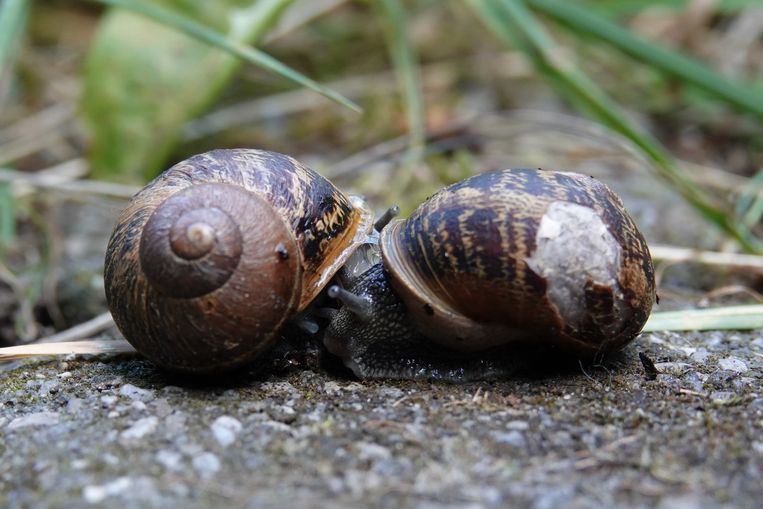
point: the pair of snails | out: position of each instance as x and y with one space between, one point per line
217 256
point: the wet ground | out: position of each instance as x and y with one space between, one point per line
114 431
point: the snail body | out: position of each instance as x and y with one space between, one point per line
497 263
212 258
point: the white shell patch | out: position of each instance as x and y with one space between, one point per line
573 246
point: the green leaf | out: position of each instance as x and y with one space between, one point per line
140 90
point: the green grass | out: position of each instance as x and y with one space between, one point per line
514 24
13 14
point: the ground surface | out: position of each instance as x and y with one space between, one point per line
117 432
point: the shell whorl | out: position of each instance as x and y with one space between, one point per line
190 246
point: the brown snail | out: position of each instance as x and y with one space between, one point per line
497 263
211 259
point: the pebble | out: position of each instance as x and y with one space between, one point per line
108 400
140 428
35 419
391 393
171 460
700 356
722 396
282 413
162 407
225 428
332 388
673 368
513 438
758 342
517 425
175 422
368 451
48 387
136 393
74 405
98 493
206 464
733 364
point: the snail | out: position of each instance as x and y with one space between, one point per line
493 266
211 260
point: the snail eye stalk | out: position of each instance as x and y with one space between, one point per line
358 305
385 218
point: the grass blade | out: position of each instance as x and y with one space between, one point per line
12 19
724 318
405 60
512 20
585 22
242 51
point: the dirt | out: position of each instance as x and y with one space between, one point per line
115 430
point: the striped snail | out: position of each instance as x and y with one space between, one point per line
212 258
498 263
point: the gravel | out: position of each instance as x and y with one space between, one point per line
116 431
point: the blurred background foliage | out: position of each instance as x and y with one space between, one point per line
97 97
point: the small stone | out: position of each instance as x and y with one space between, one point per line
757 342
98 493
758 447
332 388
48 387
140 428
175 422
108 400
700 356
722 396
206 464
517 425
34 420
162 407
390 393
136 393
513 438
79 464
171 460
74 405
368 451
733 364
65 375
282 413
673 368
225 428
138 405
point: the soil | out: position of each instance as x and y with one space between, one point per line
116 431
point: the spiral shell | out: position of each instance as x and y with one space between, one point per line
212 257
522 256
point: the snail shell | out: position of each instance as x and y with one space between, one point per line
522 255
210 259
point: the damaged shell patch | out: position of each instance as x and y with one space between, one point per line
574 248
